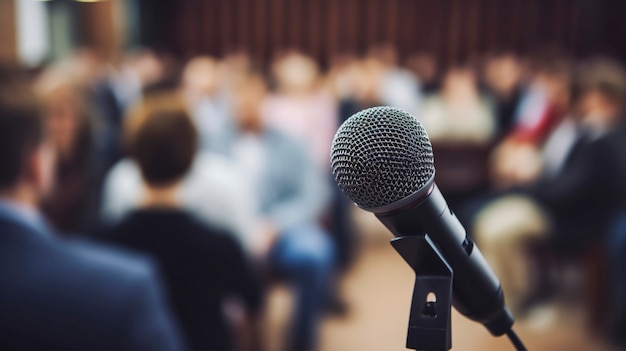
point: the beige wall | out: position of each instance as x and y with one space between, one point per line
8 31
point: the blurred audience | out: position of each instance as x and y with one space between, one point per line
459 114
426 68
395 85
544 102
528 149
202 267
58 295
304 110
202 90
504 77
290 196
300 108
72 206
573 190
213 191
543 120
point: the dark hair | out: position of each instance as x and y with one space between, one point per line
162 139
21 125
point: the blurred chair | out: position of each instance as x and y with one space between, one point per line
461 168
462 175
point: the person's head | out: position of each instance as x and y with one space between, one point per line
162 139
602 92
26 160
248 99
553 76
67 116
385 53
459 84
201 76
503 73
295 73
424 65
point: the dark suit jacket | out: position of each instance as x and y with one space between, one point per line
587 191
60 296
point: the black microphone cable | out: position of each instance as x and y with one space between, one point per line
515 340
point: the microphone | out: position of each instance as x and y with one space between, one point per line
383 161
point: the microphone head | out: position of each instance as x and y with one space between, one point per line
380 156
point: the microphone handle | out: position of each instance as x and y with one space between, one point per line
477 293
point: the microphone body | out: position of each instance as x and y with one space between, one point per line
382 160
476 290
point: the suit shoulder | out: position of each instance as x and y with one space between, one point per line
104 266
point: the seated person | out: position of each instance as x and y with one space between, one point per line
213 191
459 113
290 196
55 295
568 199
202 267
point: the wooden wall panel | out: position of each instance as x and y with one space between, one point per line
8 31
452 29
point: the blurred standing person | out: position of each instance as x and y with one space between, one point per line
202 267
72 205
291 193
56 295
459 113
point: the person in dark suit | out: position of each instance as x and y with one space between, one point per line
568 208
55 295
203 267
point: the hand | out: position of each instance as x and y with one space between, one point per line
515 163
265 236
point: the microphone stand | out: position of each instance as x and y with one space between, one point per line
431 306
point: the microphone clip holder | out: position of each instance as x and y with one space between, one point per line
431 307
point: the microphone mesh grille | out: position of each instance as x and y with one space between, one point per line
381 155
